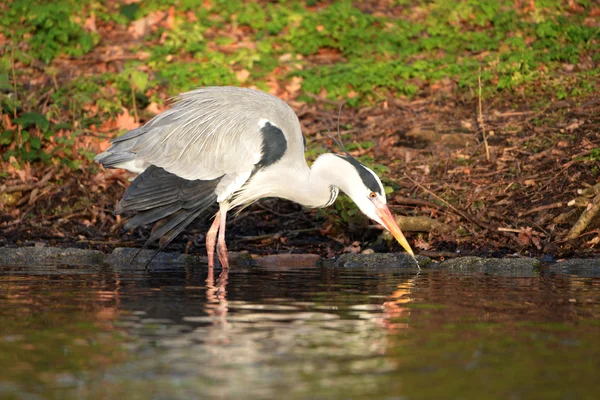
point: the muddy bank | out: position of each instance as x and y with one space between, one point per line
128 258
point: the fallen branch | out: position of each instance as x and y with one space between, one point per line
585 219
421 224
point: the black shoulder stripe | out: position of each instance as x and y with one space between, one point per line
274 145
366 176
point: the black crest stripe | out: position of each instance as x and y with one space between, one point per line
366 176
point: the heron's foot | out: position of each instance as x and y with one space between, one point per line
223 256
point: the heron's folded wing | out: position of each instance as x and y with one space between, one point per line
208 133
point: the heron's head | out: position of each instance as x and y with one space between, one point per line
364 187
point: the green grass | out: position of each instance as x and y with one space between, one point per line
371 56
47 29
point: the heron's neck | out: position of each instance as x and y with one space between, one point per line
318 186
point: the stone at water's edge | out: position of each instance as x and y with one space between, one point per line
580 267
381 260
282 261
124 256
493 266
121 258
49 256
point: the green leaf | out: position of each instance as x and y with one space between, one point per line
36 143
32 118
5 82
139 79
129 11
6 137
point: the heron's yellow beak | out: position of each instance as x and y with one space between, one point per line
389 222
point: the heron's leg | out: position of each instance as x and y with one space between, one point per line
211 239
221 246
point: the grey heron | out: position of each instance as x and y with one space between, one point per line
231 146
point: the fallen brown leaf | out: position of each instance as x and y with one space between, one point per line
90 23
294 86
593 242
155 108
527 236
242 75
170 20
420 243
126 121
354 248
143 26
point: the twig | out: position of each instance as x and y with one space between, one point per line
135 113
542 208
296 215
515 113
276 236
14 75
28 186
457 211
513 230
438 254
480 119
321 99
588 233
413 202
19 188
60 219
325 114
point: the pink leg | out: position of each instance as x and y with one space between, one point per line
221 246
211 239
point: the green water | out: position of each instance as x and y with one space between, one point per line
292 333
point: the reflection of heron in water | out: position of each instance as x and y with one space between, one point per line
216 296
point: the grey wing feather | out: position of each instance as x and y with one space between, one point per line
158 195
208 133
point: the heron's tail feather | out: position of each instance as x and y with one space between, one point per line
108 159
171 202
121 153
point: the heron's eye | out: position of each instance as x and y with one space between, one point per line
373 195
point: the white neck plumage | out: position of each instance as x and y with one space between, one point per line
312 187
319 185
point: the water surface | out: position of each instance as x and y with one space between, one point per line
306 333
